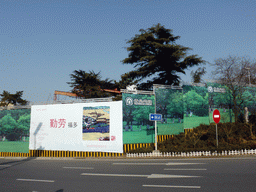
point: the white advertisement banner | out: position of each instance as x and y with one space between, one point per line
77 127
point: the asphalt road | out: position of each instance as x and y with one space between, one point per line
71 175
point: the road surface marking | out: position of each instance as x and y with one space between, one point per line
173 186
186 169
157 163
113 175
139 163
36 180
152 176
5 165
185 163
78 167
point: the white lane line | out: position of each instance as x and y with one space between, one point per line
157 163
152 176
173 186
5 165
186 169
78 167
36 180
139 163
185 163
113 175
155 176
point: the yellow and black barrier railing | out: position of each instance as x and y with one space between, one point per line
83 154
186 131
13 154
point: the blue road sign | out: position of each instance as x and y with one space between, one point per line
155 117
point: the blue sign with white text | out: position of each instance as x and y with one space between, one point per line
155 117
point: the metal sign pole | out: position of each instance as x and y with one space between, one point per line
156 135
216 119
217 135
155 117
155 121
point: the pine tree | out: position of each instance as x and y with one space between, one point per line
156 56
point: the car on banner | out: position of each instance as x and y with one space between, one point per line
88 120
104 139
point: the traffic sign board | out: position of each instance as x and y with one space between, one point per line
155 117
216 116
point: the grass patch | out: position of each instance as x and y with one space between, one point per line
169 128
139 137
195 121
140 134
14 146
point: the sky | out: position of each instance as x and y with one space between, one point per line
43 41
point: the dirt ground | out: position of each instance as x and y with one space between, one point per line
94 136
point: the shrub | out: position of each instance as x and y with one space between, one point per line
142 150
231 136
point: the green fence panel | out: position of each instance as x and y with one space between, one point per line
196 106
136 125
169 103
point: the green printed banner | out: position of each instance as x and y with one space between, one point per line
14 130
249 95
169 103
196 106
136 125
220 98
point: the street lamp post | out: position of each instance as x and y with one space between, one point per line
247 68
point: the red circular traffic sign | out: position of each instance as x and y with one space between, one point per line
216 116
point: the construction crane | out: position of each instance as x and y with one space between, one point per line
75 95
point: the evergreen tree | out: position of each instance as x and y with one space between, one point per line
89 85
154 53
197 75
14 99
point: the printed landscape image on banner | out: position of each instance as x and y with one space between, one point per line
196 106
220 98
169 103
14 130
77 127
136 125
249 96
96 123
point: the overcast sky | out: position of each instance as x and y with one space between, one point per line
43 42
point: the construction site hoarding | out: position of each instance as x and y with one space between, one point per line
77 127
